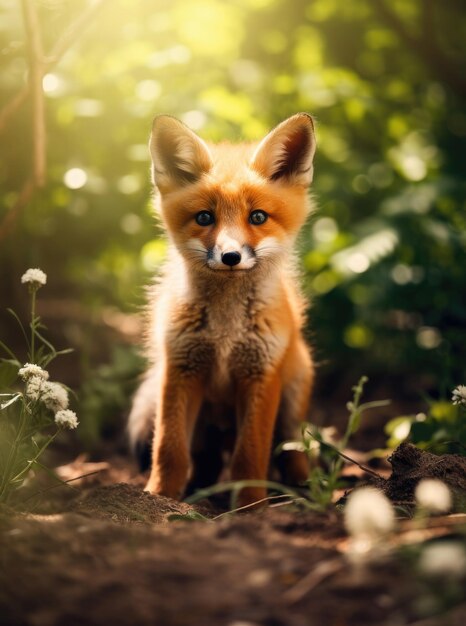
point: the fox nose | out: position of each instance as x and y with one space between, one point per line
231 258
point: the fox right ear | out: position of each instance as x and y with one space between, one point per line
179 156
287 152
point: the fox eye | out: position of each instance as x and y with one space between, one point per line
258 217
204 218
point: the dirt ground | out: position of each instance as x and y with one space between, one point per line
106 553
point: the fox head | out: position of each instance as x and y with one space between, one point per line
228 208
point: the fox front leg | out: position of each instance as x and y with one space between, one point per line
179 404
257 412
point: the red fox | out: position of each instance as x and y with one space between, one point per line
224 341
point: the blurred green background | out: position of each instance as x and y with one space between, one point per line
383 256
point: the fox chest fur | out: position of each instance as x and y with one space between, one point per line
230 337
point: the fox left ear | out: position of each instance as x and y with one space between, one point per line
179 156
287 151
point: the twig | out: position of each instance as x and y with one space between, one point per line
59 49
364 468
73 32
252 504
40 64
36 72
311 580
60 484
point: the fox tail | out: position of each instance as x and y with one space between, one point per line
141 419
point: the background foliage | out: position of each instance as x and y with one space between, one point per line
383 256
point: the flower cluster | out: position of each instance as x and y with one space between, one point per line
66 419
42 402
34 277
30 370
459 395
34 387
53 395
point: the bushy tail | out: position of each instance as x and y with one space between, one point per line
141 419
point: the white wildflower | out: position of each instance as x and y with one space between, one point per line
30 369
369 514
459 395
443 559
66 418
54 396
34 387
433 495
34 277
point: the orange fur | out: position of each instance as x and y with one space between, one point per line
225 332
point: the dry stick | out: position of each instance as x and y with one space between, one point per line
364 468
310 581
36 57
59 49
61 483
73 32
248 506
36 72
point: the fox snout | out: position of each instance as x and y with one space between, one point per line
231 258
238 258
230 253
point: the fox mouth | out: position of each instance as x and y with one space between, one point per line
230 270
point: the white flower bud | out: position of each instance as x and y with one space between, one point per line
34 277
433 495
54 396
369 514
30 369
443 559
459 395
66 419
34 387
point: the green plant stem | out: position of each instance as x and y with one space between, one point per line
32 461
33 324
6 480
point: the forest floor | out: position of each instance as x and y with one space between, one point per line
106 553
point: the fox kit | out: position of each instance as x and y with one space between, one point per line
224 342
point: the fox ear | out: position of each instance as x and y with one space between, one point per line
287 151
179 156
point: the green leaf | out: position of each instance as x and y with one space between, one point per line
355 422
8 372
46 342
373 405
423 431
12 400
391 426
8 351
20 324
